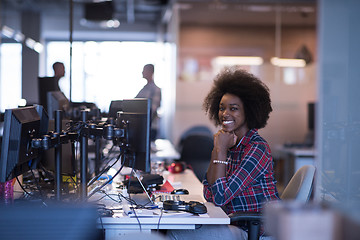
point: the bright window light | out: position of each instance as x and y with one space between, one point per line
106 71
10 77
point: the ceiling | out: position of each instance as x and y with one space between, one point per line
208 12
253 13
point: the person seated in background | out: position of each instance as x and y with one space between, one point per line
240 176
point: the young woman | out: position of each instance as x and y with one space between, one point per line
240 176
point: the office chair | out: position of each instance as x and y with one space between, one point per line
298 189
194 130
196 153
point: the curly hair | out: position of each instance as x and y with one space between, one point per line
253 93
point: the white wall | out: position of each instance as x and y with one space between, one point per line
198 45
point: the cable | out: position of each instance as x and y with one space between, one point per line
161 213
107 182
104 170
22 187
26 192
137 218
37 184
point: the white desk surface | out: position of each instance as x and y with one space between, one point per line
296 151
115 226
163 149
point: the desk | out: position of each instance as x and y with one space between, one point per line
116 227
163 150
294 158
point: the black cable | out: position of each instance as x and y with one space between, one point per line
104 170
137 218
109 196
22 187
161 213
26 192
107 182
37 184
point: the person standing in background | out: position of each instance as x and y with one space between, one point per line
50 84
59 72
153 92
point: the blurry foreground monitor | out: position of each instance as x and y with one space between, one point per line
54 222
21 125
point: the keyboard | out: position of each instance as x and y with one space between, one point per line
167 197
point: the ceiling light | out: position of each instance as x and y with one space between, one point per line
287 62
7 31
238 60
19 37
32 44
113 23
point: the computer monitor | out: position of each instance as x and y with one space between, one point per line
136 114
56 100
128 105
115 106
311 116
21 125
45 85
310 135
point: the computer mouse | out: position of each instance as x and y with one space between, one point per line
180 191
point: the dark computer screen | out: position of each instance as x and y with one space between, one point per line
45 85
311 116
135 114
21 125
115 106
56 100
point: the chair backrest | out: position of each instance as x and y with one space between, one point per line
195 130
196 152
300 186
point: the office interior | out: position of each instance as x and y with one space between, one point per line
194 34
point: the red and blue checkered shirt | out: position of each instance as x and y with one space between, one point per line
249 180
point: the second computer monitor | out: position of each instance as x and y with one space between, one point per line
135 114
56 100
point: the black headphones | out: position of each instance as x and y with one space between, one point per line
191 207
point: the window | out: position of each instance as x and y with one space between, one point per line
10 75
106 71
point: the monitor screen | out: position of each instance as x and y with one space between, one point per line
115 106
45 85
311 116
21 125
136 114
56 100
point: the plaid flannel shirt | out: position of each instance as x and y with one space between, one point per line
249 180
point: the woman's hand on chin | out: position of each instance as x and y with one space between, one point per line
224 140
